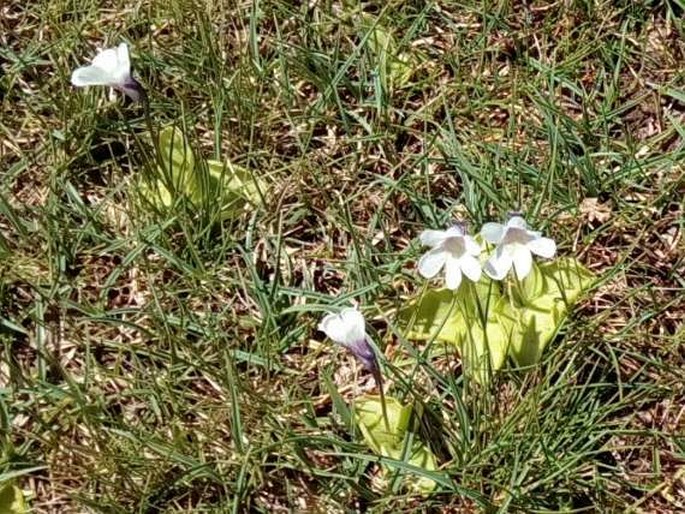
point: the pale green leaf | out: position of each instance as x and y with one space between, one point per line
532 286
395 68
155 193
535 328
397 443
181 176
567 278
12 499
471 319
434 315
369 418
541 308
234 185
177 174
178 160
485 350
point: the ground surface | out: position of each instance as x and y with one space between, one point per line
158 362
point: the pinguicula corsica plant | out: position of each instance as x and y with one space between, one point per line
493 303
513 309
387 426
177 175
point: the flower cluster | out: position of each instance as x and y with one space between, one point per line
459 253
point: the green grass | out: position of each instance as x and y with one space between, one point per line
167 363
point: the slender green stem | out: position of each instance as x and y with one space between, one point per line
379 382
153 133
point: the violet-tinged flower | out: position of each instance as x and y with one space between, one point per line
454 250
515 246
348 329
111 68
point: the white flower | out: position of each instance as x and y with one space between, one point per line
515 244
348 329
112 68
453 249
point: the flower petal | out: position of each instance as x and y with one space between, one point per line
498 265
110 67
431 263
543 246
123 60
492 232
517 222
90 76
122 74
472 248
470 266
523 261
344 328
108 60
333 327
452 273
354 320
432 237
455 231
